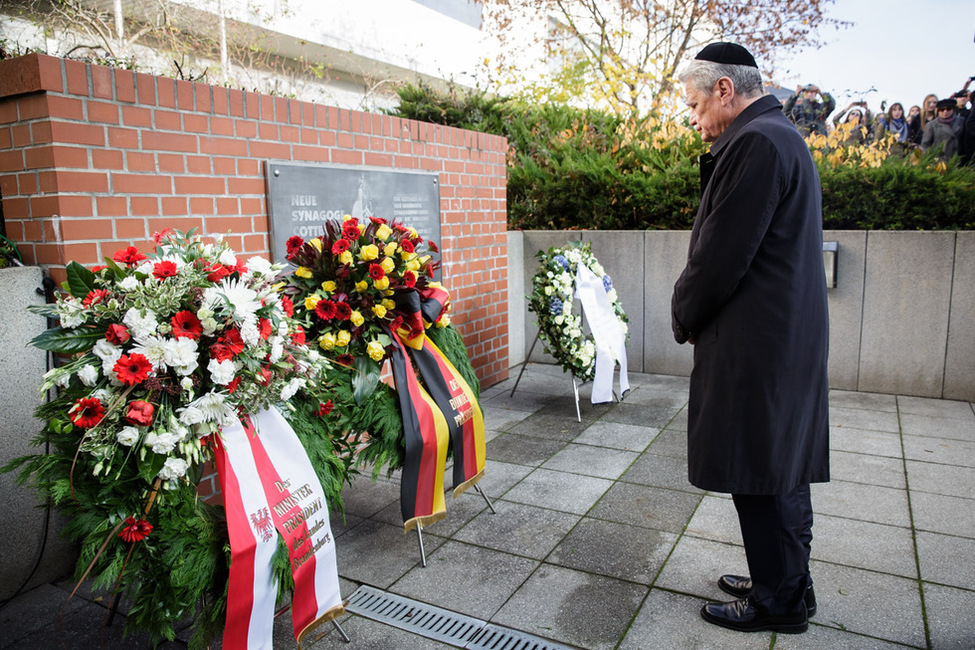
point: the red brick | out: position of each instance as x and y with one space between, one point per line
29 183
245 129
360 142
107 159
236 102
131 229
112 206
146 86
75 206
221 100
184 94
166 92
102 112
136 116
260 149
251 205
6 138
313 154
184 224
198 164
289 134
267 131
141 184
168 120
49 73
224 166
227 205
196 123
144 206
223 146
236 224
208 185
377 160
83 229
238 186
169 142
31 107
221 126
294 111
170 163
12 161
174 205
259 107
101 82
203 101
37 157
280 110
249 167
201 206
76 73
125 85
15 207
309 136
72 133
139 161
123 138
86 253
20 135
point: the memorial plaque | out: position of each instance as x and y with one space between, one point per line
302 197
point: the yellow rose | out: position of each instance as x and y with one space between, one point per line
388 264
389 292
390 248
369 252
362 286
381 283
444 321
328 286
389 304
345 258
379 311
383 232
326 341
342 338
413 264
356 318
346 217
317 243
303 272
375 350
311 301
406 255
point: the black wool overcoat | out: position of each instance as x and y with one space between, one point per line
752 299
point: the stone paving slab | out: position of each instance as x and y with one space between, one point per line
866 468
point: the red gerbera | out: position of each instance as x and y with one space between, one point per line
287 306
343 311
264 327
86 412
117 334
340 246
96 269
325 309
128 256
376 272
409 278
217 272
407 246
164 269
231 338
162 234
232 386
298 336
95 296
326 408
186 325
350 231
294 244
135 530
140 413
345 360
432 246
377 220
264 376
132 369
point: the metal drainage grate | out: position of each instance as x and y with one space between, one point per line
441 624
412 616
502 638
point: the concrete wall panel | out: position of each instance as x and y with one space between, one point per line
846 308
960 358
666 256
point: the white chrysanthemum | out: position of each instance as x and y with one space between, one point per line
146 267
165 443
213 406
153 348
129 283
291 388
141 326
88 374
127 436
190 415
242 300
277 349
259 266
222 372
173 468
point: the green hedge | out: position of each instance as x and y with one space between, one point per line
582 169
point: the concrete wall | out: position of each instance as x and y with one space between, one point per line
22 519
902 314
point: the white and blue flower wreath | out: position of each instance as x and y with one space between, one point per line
559 327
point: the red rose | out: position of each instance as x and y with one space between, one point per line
164 269
117 334
140 413
128 256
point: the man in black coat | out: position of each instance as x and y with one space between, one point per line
752 301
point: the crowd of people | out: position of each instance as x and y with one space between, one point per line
945 125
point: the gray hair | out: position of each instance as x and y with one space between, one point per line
703 75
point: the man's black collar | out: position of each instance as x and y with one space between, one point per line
753 110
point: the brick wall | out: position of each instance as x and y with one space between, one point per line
93 158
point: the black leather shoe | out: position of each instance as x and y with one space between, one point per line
741 586
742 616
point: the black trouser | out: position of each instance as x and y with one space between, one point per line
777 532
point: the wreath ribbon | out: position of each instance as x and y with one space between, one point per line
442 411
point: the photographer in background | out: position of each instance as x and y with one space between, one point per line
806 112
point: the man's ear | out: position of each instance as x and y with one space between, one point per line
725 89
